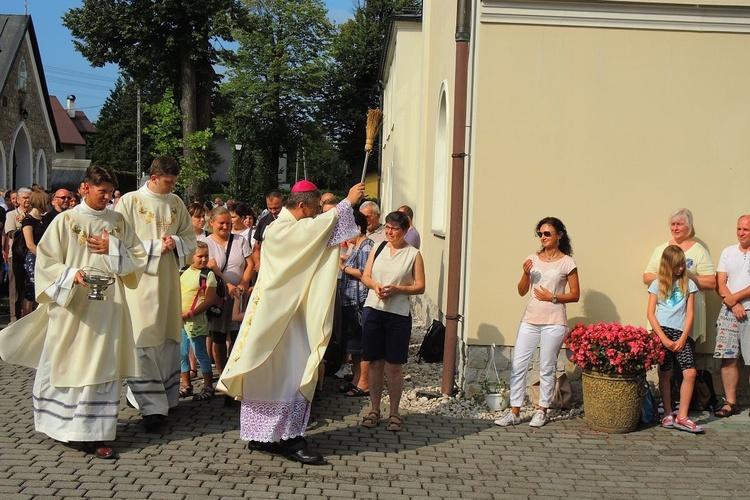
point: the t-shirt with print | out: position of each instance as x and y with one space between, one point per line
697 261
190 284
554 277
672 312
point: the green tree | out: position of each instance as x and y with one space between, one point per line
353 85
165 121
115 143
274 85
169 42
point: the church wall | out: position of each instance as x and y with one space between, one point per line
34 103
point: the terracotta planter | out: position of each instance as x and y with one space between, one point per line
612 403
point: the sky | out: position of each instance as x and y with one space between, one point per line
65 69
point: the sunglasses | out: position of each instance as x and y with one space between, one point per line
63 197
546 234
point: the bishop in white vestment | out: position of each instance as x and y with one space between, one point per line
287 325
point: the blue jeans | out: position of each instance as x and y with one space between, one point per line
199 348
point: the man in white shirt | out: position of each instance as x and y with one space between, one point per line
733 330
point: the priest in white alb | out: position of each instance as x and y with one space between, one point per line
163 224
81 348
273 367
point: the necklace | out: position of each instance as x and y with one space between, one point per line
549 259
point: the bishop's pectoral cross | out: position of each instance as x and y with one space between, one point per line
163 225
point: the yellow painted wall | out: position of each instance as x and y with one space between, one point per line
609 130
437 68
401 135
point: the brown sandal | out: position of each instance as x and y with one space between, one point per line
395 423
722 413
371 419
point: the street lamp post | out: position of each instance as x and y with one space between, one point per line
238 148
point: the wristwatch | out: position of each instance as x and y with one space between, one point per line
554 299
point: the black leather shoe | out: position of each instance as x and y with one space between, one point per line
306 456
272 448
153 422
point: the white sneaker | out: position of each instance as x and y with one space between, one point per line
509 418
346 369
539 419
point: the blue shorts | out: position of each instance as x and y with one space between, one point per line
385 336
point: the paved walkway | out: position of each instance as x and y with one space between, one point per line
199 455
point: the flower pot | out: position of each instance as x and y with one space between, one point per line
497 401
612 403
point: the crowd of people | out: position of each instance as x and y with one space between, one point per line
184 289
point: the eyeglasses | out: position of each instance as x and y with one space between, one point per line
391 228
63 197
546 234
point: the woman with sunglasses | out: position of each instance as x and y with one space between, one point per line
545 323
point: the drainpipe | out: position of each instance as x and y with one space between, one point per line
452 317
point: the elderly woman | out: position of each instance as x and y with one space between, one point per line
700 268
394 270
546 272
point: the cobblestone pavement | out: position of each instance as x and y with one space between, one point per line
199 455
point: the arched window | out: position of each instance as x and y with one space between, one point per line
22 75
440 172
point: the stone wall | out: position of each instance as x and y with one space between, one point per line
36 123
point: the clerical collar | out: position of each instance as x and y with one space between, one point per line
87 210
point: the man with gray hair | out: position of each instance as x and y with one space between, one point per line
13 220
375 230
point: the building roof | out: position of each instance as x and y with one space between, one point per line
71 130
69 133
82 123
13 29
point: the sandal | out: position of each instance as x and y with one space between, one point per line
193 374
722 412
371 419
186 391
347 387
395 423
357 393
206 394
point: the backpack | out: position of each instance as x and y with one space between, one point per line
649 408
704 396
221 291
431 350
19 248
221 294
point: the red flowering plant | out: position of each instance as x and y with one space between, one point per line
613 348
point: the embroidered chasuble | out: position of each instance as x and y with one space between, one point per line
283 337
87 342
156 304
